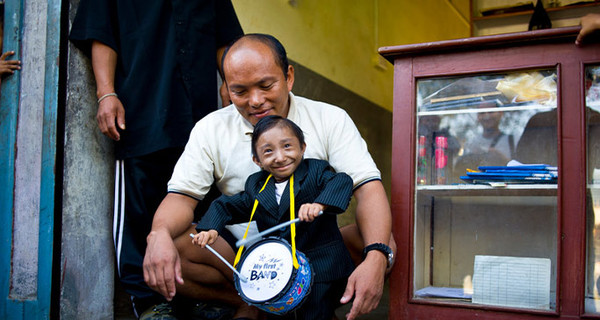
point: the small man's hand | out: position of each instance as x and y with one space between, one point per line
309 211
205 237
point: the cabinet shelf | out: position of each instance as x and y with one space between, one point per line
485 190
483 110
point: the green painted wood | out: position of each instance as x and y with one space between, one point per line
9 100
38 308
48 174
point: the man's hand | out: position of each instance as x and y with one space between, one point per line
162 266
374 220
366 285
110 114
110 110
589 24
8 67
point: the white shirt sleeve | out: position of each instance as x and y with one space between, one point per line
348 151
331 135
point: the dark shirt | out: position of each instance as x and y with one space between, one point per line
166 68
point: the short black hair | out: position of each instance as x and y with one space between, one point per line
276 47
270 122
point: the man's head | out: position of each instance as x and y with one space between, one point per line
278 146
258 76
490 121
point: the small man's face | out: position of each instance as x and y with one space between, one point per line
279 152
257 85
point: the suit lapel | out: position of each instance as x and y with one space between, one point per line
267 200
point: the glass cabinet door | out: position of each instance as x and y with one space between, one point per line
592 296
485 224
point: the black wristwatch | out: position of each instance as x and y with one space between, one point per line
387 251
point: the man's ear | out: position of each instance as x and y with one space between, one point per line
256 161
290 78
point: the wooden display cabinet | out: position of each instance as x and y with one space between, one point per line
474 243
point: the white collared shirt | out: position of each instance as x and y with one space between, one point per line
279 189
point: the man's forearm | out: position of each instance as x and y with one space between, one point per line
373 217
373 214
104 63
174 215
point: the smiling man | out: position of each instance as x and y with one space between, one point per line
260 80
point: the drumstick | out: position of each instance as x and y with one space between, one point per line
244 279
243 242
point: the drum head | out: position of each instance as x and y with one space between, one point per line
268 267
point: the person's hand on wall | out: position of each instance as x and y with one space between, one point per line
8 67
589 24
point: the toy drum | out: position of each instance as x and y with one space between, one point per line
273 284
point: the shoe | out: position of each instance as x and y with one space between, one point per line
208 311
162 311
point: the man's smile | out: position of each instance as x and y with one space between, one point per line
261 114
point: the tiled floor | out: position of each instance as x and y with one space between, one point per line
123 308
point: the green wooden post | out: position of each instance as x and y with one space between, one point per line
37 307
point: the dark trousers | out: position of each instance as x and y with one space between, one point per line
140 186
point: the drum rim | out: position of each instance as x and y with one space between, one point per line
304 297
286 288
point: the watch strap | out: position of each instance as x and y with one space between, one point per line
383 248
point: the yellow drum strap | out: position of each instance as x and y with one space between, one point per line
293 226
239 253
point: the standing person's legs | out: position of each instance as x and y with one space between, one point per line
141 184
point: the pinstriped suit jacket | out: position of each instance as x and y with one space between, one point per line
320 240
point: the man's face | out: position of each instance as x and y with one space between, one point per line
257 86
279 152
490 120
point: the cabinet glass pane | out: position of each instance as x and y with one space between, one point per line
485 228
592 81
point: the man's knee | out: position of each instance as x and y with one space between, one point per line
184 245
